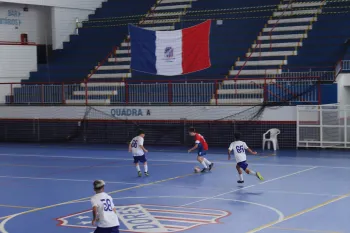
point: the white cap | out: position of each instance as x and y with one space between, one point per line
98 184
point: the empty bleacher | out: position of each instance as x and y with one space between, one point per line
248 40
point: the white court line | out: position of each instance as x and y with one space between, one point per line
300 193
301 213
165 185
278 178
57 179
278 212
168 160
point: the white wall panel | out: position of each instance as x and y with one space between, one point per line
36 23
77 4
16 61
64 23
286 113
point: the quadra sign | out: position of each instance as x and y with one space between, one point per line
130 112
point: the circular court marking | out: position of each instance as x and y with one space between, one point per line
278 212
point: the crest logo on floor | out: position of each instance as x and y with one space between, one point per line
151 218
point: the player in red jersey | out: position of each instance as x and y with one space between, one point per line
202 146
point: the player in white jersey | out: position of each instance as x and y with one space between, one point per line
138 150
103 210
239 147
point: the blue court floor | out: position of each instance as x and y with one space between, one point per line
47 189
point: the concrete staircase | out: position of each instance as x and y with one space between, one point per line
161 17
281 38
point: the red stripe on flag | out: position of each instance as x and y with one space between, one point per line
195 48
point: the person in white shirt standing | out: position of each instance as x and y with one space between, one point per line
103 210
138 150
239 147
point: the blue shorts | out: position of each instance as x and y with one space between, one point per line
201 151
107 230
243 165
141 159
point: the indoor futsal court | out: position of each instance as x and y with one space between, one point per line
49 187
91 90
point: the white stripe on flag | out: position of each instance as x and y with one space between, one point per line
169 52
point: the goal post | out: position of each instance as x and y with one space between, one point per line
323 126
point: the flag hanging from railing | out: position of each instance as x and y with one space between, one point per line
170 53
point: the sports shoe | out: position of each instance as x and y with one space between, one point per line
204 170
146 174
139 174
240 181
259 176
211 166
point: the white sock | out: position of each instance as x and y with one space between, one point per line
253 173
207 161
146 167
241 177
138 168
204 164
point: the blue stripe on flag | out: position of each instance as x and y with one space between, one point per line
143 50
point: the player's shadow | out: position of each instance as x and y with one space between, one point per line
244 193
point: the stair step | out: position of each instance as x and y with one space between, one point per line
283 37
125 44
179 13
162 21
160 28
240 91
247 82
119 59
173 7
114 67
297 12
95 93
103 101
288 29
278 45
115 75
262 63
123 51
272 54
301 4
256 72
174 1
237 101
292 20
102 84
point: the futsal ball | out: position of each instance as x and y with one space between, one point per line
197 169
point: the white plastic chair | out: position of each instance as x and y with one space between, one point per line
272 139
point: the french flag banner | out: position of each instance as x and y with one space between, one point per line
170 53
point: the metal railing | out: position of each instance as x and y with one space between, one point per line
323 75
344 65
194 92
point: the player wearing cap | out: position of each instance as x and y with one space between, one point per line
103 210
